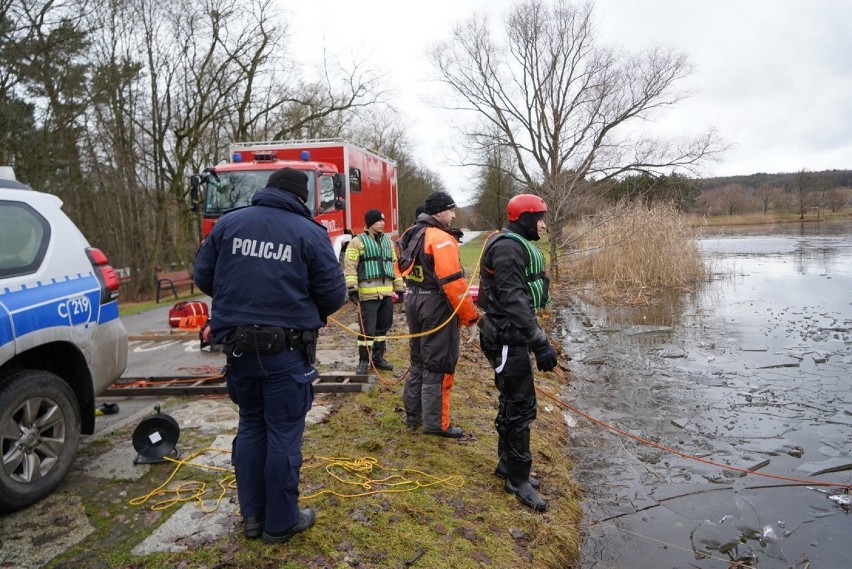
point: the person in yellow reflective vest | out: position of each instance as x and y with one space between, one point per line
371 279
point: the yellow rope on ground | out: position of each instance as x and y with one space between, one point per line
359 472
189 490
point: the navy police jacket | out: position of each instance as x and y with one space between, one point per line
269 264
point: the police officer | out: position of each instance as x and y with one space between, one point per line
371 280
274 279
436 287
513 286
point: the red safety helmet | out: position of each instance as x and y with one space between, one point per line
523 203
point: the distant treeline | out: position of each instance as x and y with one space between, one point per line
823 179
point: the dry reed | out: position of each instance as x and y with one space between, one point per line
629 251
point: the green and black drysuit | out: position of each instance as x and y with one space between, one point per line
513 286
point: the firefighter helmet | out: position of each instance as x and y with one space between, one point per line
523 203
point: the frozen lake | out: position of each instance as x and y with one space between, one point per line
752 372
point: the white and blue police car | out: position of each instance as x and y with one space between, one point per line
61 340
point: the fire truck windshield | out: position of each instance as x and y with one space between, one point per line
227 190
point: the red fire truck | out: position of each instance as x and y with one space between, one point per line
344 181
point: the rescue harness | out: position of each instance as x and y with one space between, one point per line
537 280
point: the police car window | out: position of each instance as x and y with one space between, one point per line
24 236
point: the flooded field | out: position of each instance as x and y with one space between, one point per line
751 373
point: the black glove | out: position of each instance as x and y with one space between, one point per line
400 295
353 295
545 358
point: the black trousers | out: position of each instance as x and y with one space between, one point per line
376 319
513 377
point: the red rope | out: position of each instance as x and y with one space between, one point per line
561 403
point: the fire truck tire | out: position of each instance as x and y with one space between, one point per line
39 436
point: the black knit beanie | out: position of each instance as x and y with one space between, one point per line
290 180
372 216
438 202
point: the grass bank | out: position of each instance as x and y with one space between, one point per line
389 498
457 515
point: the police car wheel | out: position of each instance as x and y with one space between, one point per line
39 435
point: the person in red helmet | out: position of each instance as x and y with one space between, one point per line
436 289
513 286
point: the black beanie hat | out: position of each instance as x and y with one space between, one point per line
372 216
438 202
290 180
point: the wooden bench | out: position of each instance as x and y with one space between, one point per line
173 281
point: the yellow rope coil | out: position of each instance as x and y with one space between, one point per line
352 471
360 472
188 490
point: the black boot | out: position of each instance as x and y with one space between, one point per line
379 357
451 432
304 521
500 472
517 482
412 420
527 496
431 395
363 361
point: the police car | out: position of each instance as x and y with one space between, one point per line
61 340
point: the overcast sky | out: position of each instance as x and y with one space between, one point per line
773 77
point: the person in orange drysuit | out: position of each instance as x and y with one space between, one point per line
436 288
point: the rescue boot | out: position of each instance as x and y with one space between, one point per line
412 421
431 396
518 483
379 357
363 361
451 432
527 495
500 472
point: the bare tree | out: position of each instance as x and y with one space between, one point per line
562 105
496 188
731 199
45 44
123 99
769 197
380 128
801 191
838 197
